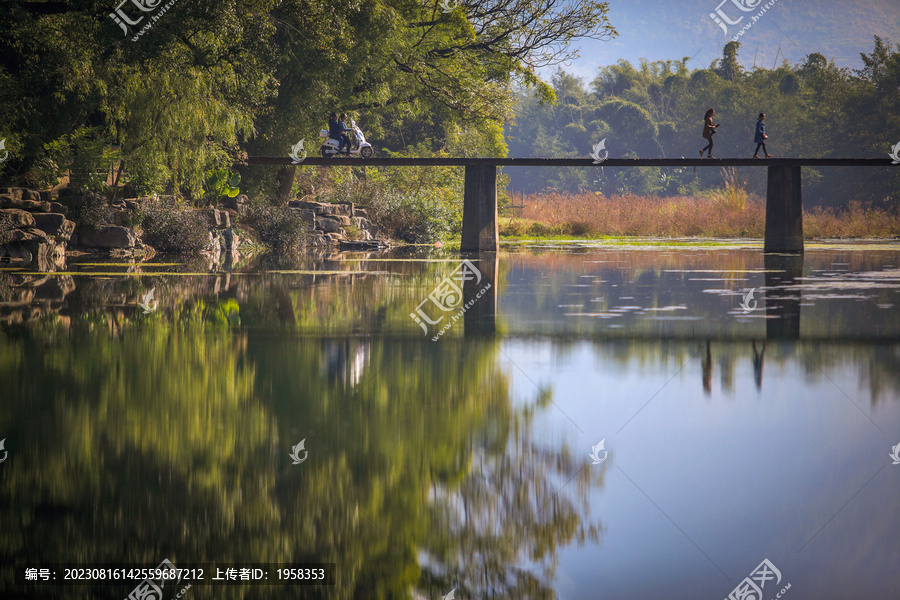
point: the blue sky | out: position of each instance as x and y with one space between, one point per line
790 29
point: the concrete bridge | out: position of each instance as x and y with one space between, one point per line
784 208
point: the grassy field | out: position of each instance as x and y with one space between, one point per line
724 214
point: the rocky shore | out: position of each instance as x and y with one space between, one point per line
39 228
333 224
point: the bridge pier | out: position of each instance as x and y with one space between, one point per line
479 228
784 210
481 318
782 301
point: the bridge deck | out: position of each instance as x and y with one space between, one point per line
784 207
577 162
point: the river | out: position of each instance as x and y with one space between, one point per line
582 420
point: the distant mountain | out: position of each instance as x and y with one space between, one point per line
790 29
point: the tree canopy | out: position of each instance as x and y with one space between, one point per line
191 88
656 110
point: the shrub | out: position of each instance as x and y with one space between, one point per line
172 229
91 209
353 232
6 229
279 228
406 210
413 217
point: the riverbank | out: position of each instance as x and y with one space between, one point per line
44 228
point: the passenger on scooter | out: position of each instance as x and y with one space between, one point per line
336 131
344 130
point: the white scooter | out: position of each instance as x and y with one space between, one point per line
358 144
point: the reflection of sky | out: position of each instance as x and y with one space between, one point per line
746 474
644 291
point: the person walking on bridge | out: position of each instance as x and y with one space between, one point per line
761 136
709 130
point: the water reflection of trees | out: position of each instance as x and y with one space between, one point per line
167 436
877 365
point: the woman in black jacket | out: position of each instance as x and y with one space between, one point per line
709 130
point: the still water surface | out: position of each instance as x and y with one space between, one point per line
730 435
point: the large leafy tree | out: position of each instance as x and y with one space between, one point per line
210 78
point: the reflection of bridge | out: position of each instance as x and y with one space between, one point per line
784 209
782 298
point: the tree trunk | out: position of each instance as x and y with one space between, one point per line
285 183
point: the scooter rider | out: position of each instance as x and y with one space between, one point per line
336 130
344 135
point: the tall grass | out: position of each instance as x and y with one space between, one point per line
593 215
734 194
728 213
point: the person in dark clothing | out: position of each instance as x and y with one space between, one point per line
334 128
761 136
344 129
709 130
337 130
758 364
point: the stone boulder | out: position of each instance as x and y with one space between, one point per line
27 234
7 201
238 204
328 225
305 214
343 208
17 217
54 224
21 194
218 219
107 236
32 245
319 208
